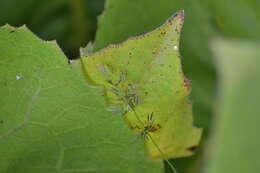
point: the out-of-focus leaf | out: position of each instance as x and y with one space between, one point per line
235 146
51 121
144 76
240 18
71 22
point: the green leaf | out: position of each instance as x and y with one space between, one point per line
235 147
143 75
52 121
236 21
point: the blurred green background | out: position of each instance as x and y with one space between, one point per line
73 23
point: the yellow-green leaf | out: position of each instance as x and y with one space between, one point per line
144 77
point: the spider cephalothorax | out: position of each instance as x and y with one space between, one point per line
149 126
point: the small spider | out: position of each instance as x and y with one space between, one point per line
129 97
149 127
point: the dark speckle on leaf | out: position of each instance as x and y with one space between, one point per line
176 29
192 148
109 81
187 83
163 32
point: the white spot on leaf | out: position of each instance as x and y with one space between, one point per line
17 77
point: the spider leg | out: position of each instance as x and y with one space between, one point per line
122 77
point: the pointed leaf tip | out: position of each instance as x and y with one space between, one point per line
179 15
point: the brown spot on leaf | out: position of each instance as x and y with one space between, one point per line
153 128
109 81
136 127
115 46
192 148
187 82
176 29
163 32
171 19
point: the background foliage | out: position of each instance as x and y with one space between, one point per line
73 23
